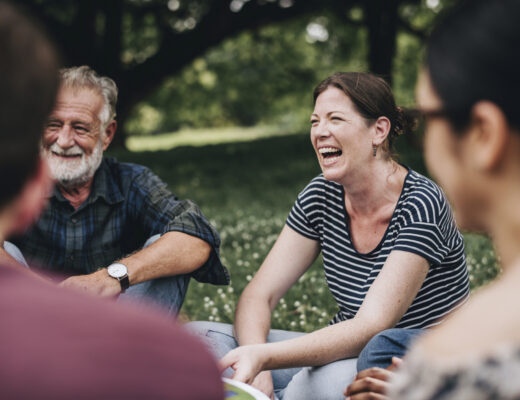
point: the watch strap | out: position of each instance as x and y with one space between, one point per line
124 282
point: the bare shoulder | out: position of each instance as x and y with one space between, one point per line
478 328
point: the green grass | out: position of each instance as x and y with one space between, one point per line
204 137
247 189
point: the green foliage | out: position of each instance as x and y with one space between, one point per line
246 190
140 38
267 75
481 259
262 76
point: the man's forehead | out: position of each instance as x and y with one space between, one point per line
80 91
80 100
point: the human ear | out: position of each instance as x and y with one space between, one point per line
381 129
489 135
110 130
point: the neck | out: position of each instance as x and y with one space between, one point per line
374 187
501 216
505 229
78 194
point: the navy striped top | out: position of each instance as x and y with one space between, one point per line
422 223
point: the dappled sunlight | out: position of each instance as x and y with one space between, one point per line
202 137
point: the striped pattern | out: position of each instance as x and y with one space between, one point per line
422 223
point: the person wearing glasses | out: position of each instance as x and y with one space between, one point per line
392 254
468 91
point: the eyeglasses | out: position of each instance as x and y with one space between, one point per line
455 114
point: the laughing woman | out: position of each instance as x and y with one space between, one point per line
392 254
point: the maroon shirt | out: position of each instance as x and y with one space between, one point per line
57 344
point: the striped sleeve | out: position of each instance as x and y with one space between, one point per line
426 225
305 213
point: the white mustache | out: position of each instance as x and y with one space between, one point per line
72 151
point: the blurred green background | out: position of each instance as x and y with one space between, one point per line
246 189
215 97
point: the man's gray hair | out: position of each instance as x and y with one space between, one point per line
86 77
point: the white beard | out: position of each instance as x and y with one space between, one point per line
74 172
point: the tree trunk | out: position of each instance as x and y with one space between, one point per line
382 20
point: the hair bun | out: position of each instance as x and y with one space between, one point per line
405 121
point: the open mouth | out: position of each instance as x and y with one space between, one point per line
67 155
329 153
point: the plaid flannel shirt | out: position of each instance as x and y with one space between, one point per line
127 205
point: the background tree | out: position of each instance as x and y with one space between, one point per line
140 43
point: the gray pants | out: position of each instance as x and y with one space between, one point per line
312 383
168 293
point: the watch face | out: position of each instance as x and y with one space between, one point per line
117 270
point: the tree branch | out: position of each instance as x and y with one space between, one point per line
218 24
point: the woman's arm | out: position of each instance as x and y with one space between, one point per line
290 257
385 303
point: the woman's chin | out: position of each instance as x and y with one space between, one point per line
332 175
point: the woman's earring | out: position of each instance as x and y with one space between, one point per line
374 150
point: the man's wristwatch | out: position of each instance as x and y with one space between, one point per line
120 272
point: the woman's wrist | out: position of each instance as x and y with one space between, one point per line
269 355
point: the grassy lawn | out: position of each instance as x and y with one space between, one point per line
203 137
247 189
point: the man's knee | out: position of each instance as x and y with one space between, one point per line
15 252
325 382
202 328
217 336
151 239
386 344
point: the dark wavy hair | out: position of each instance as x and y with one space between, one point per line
472 55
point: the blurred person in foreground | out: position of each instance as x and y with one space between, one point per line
468 92
56 343
113 228
392 254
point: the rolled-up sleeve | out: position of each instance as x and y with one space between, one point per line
160 211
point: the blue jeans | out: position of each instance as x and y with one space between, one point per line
168 293
387 344
312 383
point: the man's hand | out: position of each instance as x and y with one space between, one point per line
98 283
371 383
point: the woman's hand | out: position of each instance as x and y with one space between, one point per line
264 383
247 361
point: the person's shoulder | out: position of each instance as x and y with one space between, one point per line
419 185
125 170
93 335
420 191
423 201
59 302
131 176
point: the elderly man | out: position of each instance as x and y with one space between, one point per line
103 212
55 343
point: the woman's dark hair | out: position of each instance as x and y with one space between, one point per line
372 98
473 55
